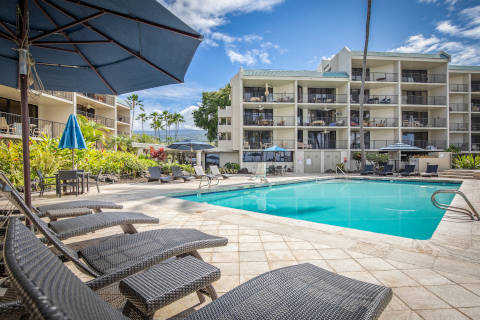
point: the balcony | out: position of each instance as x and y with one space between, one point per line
104 98
475 87
277 121
475 146
424 78
325 98
261 145
475 107
59 94
272 98
458 87
425 123
374 99
475 126
323 145
123 118
372 144
427 144
458 126
376 76
38 127
430 100
463 146
459 107
107 122
325 122
376 122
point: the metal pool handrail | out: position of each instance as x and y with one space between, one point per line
337 168
472 212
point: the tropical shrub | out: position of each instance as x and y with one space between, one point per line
379 159
466 162
232 166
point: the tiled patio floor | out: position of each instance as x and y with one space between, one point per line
422 289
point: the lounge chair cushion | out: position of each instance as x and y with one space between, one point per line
129 249
91 204
80 225
302 291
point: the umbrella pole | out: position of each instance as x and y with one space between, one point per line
23 81
73 159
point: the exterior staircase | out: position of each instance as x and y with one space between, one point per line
460 174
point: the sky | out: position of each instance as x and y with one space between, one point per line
298 34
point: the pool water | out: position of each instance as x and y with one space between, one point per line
399 208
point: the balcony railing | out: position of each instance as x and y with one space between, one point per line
123 118
272 97
279 121
60 94
475 87
261 145
376 76
107 122
463 146
458 126
475 126
325 122
376 122
325 98
475 107
458 87
425 78
105 98
427 144
458 107
373 144
374 99
38 127
322 145
430 100
424 123
475 146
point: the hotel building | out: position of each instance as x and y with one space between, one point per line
49 111
418 99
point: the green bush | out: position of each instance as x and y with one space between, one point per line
466 162
232 166
379 159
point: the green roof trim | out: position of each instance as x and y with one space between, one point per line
466 68
293 73
440 55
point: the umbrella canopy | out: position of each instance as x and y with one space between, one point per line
190 145
275 148
399 146
109 46
72 137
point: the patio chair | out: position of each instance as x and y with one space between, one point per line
367 170
45 181
209 178
301 291
67 178
177 173
216 172
408 171
120 256
387 170
432 171
156 175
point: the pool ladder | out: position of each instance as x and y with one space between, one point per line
337 168
470 212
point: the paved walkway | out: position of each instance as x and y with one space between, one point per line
433 279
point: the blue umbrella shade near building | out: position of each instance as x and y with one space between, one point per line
106 47
72 137
190 145
276 149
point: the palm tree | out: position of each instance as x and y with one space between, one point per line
142 117
154 116
177 118
164 117
133 101
362 88
170 121
92 131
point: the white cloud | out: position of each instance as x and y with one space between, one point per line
249 57
418 43
447 27
470 18
184 91
187 114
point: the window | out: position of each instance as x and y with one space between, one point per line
267 156
225 121
355 139
225 136
355 95
321 95
322 140
355 117
253 116
357 74
13 106
212 159
256 94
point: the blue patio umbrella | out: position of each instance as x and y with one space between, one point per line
72 137
190 145
275 148
106 47
399 146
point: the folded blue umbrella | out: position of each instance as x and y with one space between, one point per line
72 137
275 148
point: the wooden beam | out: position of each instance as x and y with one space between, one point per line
72 42
6 36
67 26
10 32
53 48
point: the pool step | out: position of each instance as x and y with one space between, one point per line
460 174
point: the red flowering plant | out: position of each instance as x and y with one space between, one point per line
158 154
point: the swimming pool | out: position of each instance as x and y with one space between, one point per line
400 208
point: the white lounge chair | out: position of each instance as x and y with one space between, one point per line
200 173
261 172
216 172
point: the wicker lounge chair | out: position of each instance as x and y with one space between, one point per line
119 256
367 170
51 291
408 171
178 174
432 171
156 175
216 172
387 170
